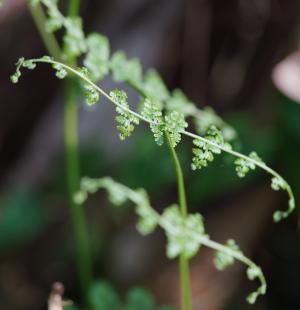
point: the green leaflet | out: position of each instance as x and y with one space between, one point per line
223 260
91 95
96 59
180 103
204 151
125 119
180 239
124 70
253 273
175 124
207 117
152 111
243 166
60 72
147 221
21 63
74 39
278 183
154 86
55 19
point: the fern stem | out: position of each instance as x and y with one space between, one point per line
73 8
183 261
82 248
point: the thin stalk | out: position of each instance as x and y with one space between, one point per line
73 8
83 253
82 248
183 261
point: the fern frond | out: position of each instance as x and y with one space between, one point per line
176 127
185 235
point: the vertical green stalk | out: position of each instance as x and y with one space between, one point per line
73 8
82 247
183 261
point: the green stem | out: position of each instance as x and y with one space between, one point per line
73 8
82 246
83 253
48 38
183 261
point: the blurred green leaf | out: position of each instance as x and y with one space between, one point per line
102 296
139 299
21 219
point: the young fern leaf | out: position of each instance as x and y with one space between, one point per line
278 183
223 260
152 112
184 235
16 76
212 142
175 124
22 63
91 94
125 120
60 72
204 152
180 241
243 166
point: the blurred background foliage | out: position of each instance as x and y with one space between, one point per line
221 53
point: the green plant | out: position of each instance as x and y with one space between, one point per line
165 112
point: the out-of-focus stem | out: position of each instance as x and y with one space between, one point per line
82 247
